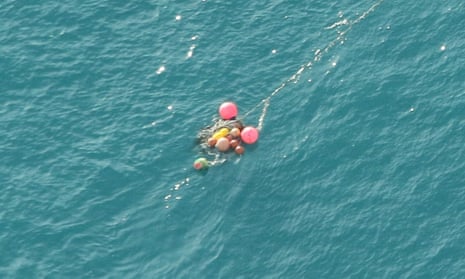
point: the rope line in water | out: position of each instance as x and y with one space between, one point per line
317 57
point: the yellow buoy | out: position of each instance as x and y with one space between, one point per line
223 132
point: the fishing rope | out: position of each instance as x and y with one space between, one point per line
317 57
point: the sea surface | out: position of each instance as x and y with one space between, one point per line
359 171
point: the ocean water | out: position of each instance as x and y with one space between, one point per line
358 172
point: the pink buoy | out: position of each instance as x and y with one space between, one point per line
228 110
249 135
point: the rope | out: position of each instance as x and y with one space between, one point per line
317 57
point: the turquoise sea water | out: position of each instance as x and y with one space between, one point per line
358 172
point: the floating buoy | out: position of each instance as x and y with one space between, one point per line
223 132
222 144
211 142
228 110
239 149
249 135
235 132
234 143
200 164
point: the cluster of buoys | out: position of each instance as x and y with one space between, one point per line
229 138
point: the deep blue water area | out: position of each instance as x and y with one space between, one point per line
358 171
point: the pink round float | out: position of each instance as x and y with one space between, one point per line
228 110
249 135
